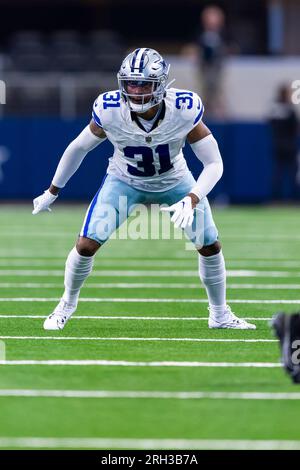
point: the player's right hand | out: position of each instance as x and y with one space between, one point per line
42 203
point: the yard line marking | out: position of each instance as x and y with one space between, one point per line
32 255
181 395
149 300
144 444
19 262
45 285
146 273
264 263
126 317
104 338
98 362
101 261
152 285
177 255
264 286
239 240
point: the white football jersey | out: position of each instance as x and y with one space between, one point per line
149 161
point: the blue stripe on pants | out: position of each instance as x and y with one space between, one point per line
94 202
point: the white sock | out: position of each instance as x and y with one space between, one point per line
213 275
76 271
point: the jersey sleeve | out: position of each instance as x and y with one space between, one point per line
194 110
199 109
96 112
190 108
106 109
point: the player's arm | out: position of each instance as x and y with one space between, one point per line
91 136
74 154
206 149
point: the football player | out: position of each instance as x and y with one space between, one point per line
148 123
287 329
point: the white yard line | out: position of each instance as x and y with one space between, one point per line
136 261
144 444
263 263
148 300
239 239
146 273
29 262
182 395
105 338
98 362
37 254
180 255
264 286
147 285
126 317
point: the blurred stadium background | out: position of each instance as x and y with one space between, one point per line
55 58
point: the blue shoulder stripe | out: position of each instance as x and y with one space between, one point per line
199 116
97 119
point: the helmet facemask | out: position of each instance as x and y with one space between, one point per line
141 95
142 79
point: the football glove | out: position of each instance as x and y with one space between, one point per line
42 203
287 330
183 212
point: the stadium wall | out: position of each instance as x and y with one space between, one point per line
30 150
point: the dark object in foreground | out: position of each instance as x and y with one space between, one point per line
287 329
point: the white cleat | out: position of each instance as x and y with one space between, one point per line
61 314
230 320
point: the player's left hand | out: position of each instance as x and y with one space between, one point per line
183 212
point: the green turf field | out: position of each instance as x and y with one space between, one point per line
137 366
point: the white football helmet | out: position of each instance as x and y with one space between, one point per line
145 70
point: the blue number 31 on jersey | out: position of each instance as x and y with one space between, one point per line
145 166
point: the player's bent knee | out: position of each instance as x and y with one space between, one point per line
210 236
86 246
210 250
